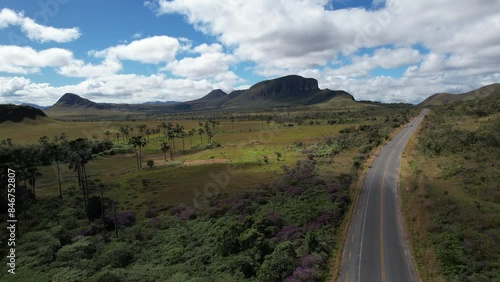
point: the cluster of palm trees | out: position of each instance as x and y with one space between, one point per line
172 132
6 142
126 131
76 154
208 128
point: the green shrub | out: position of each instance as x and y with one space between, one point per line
280 264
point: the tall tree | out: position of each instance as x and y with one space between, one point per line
78 156
232 122
125 131
171 140
32 175
55 152
165 147
190 134
142 128
107 133
201 132
138 143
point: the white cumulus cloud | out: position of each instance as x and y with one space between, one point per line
152 50
34 31
24 60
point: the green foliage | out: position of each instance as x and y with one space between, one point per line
115 255
280 264
64 274
259 236
83 248
38 248
464 141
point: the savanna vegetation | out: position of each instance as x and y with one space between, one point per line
249 197
451 195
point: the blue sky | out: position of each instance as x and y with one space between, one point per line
137 51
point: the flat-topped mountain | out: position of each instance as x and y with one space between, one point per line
15 113
291 90
283 88
446 98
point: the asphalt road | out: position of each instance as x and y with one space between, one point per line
375 248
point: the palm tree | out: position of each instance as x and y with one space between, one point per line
165 147
137 141
43 140
63 138
142 128
32 174
210 135
201 132
78 156
107 133
190 134
171 140
55 152
183 135
125 131
164 126
178 131
232 122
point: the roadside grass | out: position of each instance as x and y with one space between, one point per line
416 217
450 203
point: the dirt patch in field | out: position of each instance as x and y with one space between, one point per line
205 162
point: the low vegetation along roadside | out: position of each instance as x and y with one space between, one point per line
114 220
451 195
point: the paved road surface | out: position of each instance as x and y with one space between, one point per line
374 249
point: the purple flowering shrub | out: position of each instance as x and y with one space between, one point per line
125 218
308 269
184 212
289 232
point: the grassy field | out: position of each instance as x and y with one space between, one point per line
244 145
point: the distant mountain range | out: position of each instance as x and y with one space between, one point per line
446 98
288 91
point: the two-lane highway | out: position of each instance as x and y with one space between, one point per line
375 248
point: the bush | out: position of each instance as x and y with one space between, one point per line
83 248
115 255
280 264
265 159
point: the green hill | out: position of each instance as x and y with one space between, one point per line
446 98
